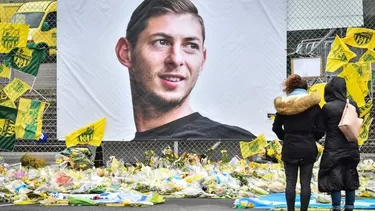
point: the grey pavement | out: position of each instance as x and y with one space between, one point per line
15 157
186 204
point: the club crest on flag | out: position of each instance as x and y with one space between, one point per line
3 96
358 68
23 56
364 110
85 137
7 127
365 129
254 147
362 38
29 120
18 87
32 117
367 57
10 37
91 134
339 54
250 148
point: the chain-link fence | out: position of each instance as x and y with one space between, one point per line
41 16
312 26
311 41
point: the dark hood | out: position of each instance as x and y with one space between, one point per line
335 90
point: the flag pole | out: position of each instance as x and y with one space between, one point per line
40 95
32 86
44 98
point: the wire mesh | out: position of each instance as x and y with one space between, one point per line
305 40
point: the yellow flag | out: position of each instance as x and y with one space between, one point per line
29 120
365 109
352 77
360 37
339 55
5 100
368 56
5 71
91 134
275 147
364 71
13 35
320 89
250 148
9 103
16 88
365 129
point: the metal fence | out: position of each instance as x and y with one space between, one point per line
317 42
303 42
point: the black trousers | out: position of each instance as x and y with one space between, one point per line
291 173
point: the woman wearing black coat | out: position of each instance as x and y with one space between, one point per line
338 166
299 124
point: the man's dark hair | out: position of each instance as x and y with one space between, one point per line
154 8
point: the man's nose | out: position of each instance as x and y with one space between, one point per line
175 57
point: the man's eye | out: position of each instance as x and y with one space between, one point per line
161 43
193 46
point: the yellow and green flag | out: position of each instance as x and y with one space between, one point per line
26 59
319 88
339 55
91 134
365 129
16 88
30 119
365 109
7 128
5 71
360 37
250 148
13 35
5 100
368 56
364 71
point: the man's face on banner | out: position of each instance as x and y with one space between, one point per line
168 57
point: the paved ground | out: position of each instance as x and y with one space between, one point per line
170 205
15 157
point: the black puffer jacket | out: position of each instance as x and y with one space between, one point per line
299 124
340 157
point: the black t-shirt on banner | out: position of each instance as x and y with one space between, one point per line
195 126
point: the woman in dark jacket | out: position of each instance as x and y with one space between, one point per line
299 124
338 166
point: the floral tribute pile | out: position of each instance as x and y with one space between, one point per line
73 179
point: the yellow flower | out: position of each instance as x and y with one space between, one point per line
278 157
277 146
320 148
253 165
261 151
270 152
